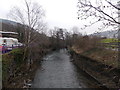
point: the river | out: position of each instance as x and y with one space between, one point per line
57 71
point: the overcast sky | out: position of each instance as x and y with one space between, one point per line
60 13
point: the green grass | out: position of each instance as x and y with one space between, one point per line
18 55
109 40
0 57
7 60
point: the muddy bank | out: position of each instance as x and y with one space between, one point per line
104 74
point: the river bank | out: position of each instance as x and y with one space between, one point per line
58 71
15 72
104 74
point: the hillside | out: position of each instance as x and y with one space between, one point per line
108 34
8 22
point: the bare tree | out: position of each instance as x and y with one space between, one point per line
31 18
104 11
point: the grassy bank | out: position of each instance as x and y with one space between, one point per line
106 56
15 71
104 74
11 64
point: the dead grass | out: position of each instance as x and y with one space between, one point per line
105 56
23 75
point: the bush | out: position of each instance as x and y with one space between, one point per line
17 55
10 62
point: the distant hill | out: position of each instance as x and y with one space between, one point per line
8 22
11 26
108 34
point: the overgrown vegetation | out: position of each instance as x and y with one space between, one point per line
99 58
11 62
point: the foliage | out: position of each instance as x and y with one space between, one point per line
18 55
11 61
109 40
6 61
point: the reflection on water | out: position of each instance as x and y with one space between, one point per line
58 72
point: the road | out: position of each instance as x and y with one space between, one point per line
57 71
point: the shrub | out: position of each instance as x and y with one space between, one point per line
17 55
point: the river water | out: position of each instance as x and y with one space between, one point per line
57 71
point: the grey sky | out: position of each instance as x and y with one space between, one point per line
60 13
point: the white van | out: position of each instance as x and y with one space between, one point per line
9 42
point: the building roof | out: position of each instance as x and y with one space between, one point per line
2 32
